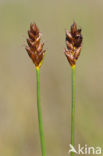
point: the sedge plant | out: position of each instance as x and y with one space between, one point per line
36 53
74 44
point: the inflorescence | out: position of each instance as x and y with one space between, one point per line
35 48
73 43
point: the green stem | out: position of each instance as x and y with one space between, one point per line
40 114
73 109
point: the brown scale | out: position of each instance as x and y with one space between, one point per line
35 48
73 43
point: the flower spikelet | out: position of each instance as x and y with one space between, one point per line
73 43
35 48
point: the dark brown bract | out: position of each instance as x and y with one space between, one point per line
73 43
35 48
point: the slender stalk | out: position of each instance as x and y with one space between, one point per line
73 109
40 113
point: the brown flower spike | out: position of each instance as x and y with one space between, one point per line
73 43
35 48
